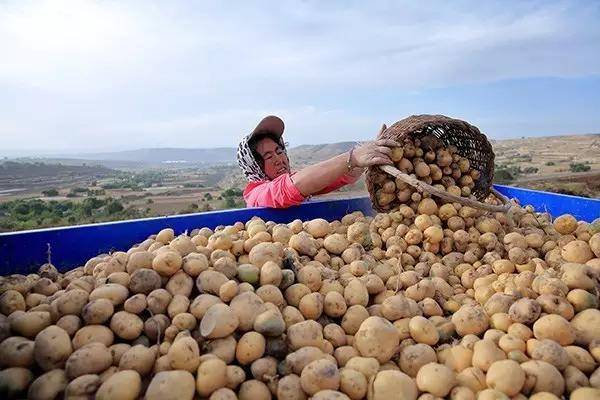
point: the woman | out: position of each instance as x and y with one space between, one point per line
263 158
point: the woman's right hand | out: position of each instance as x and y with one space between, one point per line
377 152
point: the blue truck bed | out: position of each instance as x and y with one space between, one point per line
23 252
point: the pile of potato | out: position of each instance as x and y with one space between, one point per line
429 301
430 161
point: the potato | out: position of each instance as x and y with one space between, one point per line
266 251
210 281
574 378
458 358
158 300
556 328
136 304
93 333
11 301
183 245
212 375
52 348
171 385
126 325
117 351
506 376
391 384
311 305
264 369
180 284
167 263
219 321
525 311
84 386
377 338
270 274
577 251
122 385
565 224
69 323
585 393
470 320
581 359
306 333
254 390
353 383
368 366
114 292
194 263
304 244
48 385
300 358
71 302
184 354
97 311
250 347
223 394
202 303
270 323
551 352
356 293
485 353
320 375
14 381
29 324
16 351
586 326
336 243
138 358
581 300
93 358
289 388
594 243
144 281
329 395
165 236
139 259
423 330
542 377
436 379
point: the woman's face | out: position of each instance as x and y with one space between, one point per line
275 160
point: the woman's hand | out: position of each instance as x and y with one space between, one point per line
377 152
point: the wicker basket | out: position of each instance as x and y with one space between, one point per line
469 141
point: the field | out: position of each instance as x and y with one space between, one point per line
71 191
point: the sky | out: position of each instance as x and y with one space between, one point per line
87 76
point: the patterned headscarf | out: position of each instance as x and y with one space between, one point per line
249 164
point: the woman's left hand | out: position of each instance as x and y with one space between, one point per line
377 152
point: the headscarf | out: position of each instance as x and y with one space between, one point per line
248 163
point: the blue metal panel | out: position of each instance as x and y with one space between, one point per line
24 252
556 204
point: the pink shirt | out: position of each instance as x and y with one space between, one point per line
281 192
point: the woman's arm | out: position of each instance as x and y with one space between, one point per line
314 178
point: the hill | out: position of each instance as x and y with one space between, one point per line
17 175
165 156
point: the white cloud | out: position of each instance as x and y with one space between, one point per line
134 72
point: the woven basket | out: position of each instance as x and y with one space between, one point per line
469 141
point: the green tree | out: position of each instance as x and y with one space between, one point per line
50 192
114 206
579 167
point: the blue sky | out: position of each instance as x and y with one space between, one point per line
115 75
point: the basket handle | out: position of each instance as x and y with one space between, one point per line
414 182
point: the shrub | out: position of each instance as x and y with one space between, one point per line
579 167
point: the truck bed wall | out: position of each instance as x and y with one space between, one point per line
70 247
